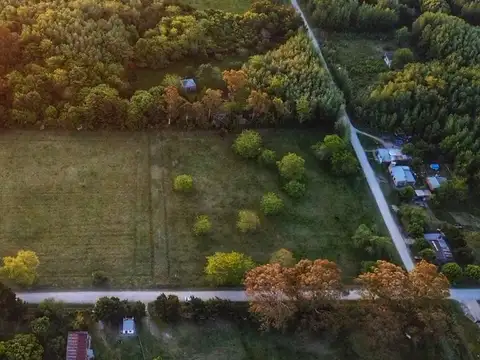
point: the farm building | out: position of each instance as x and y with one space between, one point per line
128 326
401 175
386 156
439 245
79 346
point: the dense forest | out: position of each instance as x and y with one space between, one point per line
72 65
437 101
383 15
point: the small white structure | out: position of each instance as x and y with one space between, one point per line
128 326
189 85
388 57
401 175
386 156
423 194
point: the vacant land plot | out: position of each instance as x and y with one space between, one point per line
360 54
91 201
80 202
319 226
236 6
217 340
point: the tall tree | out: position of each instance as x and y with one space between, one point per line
236 80
173 103
212 100
21 268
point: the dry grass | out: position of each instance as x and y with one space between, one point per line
79 202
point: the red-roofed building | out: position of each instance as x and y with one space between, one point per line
78 346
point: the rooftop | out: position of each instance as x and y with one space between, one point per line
77 345
402 174
128 324
439 244
434 182
389 155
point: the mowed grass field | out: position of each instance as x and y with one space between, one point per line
93 201
80 202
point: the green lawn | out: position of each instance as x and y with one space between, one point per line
236 6
360 54
320 226
93 201
79 201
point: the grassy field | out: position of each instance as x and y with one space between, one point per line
236 6
320 226
360 54
217 340
80 202
92 201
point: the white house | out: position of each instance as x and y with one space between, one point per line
388 57
128 326
401 175
386 156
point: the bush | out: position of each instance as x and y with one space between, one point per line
367 266
402 57
167 308
268 157
99 278
428 255
420 244
228 268
452 271
406 194
247 221
202 225
283 257
248 144
473 272
295 189
271 204
183 183
292 167
402 36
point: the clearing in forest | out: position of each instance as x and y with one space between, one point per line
236 6
93 201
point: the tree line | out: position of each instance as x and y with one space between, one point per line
72 66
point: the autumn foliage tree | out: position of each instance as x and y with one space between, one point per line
21 268
280 293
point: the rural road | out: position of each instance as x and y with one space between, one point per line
382 204
90 297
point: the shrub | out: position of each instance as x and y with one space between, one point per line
420 244
283 257
402 36
202 225
271 204
99 278
247 221
183 183
295 189
402 57
473 272
228 268
248 144
291 167
428 255
406 194
167 308
367 266
452 271
268 157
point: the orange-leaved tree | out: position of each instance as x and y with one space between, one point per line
278 293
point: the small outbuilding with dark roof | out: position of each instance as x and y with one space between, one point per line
189 85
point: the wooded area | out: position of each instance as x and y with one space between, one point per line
72 65
437 101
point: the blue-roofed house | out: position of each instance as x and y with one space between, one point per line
128 326
401 175
189 85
